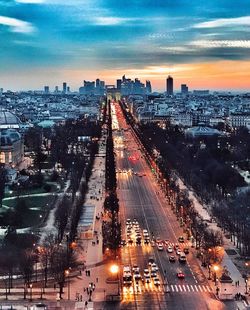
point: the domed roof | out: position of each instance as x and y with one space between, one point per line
9 120
202 131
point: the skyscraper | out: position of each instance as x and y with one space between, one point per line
119 84
184 89
148 87
64 87
170 85
56 89
46 89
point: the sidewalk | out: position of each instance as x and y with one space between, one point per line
227 261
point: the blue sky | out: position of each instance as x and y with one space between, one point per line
49 41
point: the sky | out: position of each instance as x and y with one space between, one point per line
205 44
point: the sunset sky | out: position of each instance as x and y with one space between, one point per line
205 44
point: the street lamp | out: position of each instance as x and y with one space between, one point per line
67 276
209 272
114 269
216 268
246 285
30 292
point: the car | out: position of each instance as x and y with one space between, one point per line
138 241
160 246
151 260
39 306
135 268
180 275
123 242
130 241
147 278
178 252
153 275
137 276
170 249
186 250
146 241
181 239
154 267
156 281
146 272
182 258
172 258
126 269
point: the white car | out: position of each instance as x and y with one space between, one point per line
135 268
170 249
160 246
154 267
156 282
178 252
146 272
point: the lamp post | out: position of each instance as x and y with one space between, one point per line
114 269
30 292
216 268
209 272
67 276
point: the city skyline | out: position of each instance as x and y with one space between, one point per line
47 42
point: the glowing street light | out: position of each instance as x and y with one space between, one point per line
114 269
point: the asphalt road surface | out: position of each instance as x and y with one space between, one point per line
141 201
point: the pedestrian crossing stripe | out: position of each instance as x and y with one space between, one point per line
188 288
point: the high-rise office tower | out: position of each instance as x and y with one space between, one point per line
46 89
184 89
56 89
68 89
97 83
119 84
170 85
148 87
64 87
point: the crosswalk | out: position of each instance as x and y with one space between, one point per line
188 288
173 288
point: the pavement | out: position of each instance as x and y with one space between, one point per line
89 254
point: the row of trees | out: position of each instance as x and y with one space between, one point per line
111 227
206 240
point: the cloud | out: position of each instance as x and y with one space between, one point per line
17 25
111 21
222 22
30 1
221 43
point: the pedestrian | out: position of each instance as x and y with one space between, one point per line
87 290
96 280
81 298
89 273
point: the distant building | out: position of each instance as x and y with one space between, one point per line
64 87
201 131
11 147
56 89
184 89
46 89
202 92
170 85
148 87
240 120
119 84
68 89
9 120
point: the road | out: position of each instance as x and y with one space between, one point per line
141 199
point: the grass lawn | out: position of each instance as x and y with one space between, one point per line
31 191
38 202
